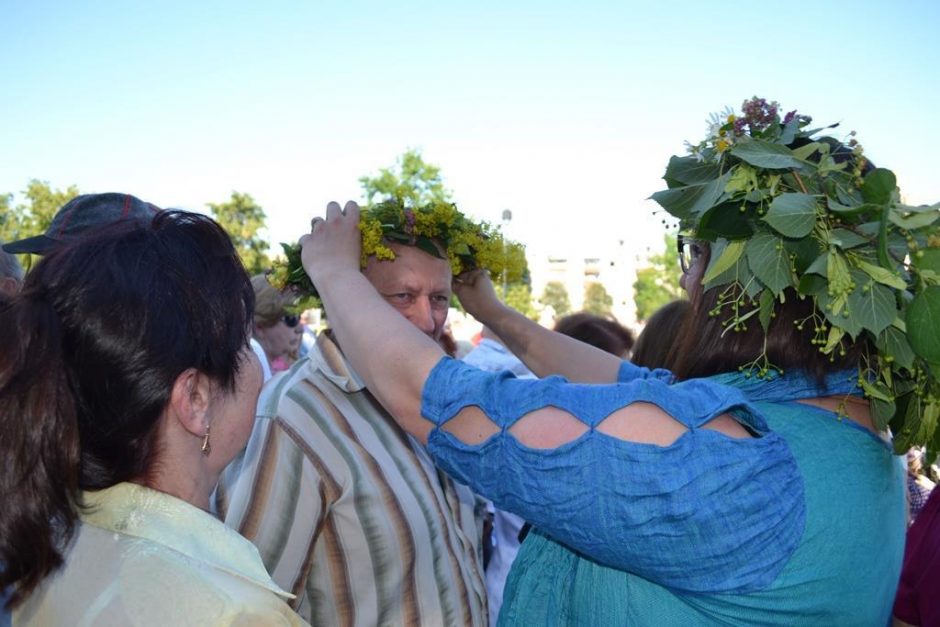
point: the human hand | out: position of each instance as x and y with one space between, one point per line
476 293
333 245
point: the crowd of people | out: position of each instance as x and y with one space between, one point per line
179 450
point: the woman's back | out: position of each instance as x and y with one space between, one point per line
854 523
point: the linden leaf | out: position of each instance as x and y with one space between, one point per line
882 275
804 152
875 309
877 390
765 154
914 221
923 324
927 260
893 343
835 310
690 171
724 221
879 185
726 260
792 215
845 239
768 260
882 412
819 266
692 200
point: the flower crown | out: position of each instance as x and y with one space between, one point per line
784 210
438 229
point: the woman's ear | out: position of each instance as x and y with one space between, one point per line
190 399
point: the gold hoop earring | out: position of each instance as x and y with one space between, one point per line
206 447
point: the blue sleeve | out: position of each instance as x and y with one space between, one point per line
629 371
707 513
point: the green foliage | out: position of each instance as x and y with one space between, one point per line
836 233
411 181
556 296
658 283
33 216
243 219
9 220
596 299
519 297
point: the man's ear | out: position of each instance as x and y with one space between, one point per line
189 401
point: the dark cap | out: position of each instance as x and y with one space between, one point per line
82 215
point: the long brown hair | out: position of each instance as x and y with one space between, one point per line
704 347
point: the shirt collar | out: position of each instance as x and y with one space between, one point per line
328 358
134 510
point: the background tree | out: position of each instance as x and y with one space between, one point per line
244 219
411 180
596 299
44 202
658 283
519 297
556 296
33 216
9 222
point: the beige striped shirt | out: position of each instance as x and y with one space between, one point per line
348 511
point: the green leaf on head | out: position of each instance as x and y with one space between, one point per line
792 215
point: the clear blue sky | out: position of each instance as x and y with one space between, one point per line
565 113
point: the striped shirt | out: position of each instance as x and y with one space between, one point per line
348 511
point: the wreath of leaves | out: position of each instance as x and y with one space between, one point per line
438 229
786 209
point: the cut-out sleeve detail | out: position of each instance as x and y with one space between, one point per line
708 513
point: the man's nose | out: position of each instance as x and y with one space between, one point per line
421 316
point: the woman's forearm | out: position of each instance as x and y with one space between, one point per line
546 352
543 351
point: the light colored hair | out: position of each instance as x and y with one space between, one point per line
270 303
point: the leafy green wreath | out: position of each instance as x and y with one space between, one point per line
438 229
786 209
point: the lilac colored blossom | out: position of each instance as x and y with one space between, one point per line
789 117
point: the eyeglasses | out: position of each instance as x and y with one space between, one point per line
291 320
689 251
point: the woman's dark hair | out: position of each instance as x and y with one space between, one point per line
706 348
655 347
89 353
604 333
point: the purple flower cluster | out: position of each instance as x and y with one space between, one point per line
758 114
410 224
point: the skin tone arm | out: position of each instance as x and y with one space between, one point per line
542 350
395 358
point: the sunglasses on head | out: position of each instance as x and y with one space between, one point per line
291 320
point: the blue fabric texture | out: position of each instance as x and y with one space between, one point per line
802 524
704 526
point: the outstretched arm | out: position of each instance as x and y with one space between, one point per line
542 350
